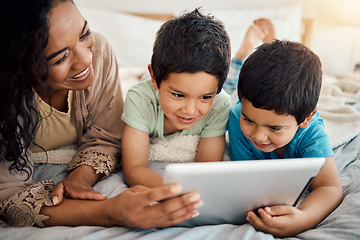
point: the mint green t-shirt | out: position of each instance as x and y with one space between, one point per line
142 111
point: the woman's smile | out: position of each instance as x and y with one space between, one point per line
82 75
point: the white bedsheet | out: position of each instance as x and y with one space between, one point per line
343 223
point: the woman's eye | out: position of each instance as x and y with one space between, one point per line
61 60
88 32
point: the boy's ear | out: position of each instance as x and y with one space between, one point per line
306 122
154 84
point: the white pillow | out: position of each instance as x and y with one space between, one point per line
287 21
132 37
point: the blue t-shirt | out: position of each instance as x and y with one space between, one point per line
311 141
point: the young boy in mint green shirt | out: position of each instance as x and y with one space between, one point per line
189 65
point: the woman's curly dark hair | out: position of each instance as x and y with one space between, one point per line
25 27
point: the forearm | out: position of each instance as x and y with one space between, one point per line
73 212
87 173
141 175
320 203
211 149
219 157
131 208
326 193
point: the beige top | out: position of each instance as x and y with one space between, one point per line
99 130
57 129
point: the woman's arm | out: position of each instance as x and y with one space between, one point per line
98 112
211 149
135 147
78 185
132 208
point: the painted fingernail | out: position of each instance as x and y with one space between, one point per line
194 197
175 188
55 200
195 214
198 204
267 209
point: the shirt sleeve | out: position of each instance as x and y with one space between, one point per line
23 208
314 141
231 82
139 109
99 120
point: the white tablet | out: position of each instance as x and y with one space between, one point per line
229 189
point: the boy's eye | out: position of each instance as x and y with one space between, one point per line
177 95
247 120
209 97
274 129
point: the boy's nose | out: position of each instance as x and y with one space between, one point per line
190 108
258 135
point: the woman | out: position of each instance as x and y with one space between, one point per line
60 86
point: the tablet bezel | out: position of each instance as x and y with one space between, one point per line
223 184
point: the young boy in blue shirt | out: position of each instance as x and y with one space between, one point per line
189 65
276 117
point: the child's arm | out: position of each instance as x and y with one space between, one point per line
135 150
284 221
211 149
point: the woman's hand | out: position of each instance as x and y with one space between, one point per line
78 185
136 207
279 221
145 208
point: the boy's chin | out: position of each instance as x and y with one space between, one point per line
186 128
264 149
182 126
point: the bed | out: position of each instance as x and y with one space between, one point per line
339 106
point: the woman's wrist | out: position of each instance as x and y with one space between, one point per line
86 173
75 212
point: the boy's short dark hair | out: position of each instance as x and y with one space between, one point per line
283 76
191 43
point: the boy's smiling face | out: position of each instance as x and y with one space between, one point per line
266 129
186 98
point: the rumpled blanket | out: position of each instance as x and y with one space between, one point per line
343 223
339 107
